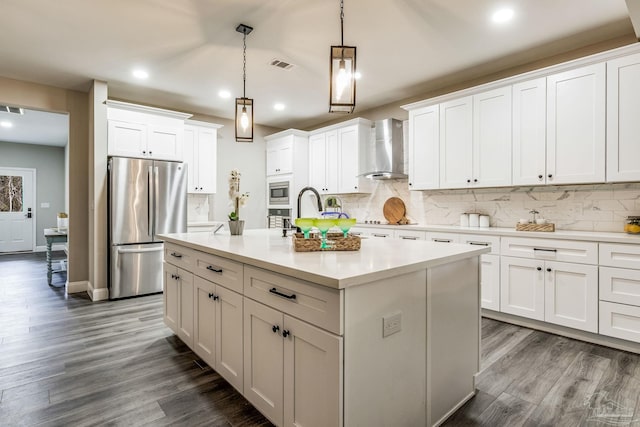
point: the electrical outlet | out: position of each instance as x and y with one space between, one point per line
391 324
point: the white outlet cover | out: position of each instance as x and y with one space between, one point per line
45 205
391 324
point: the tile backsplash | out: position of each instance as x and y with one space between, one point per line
598 207
198 207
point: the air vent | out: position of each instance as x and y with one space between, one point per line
281 64
13 110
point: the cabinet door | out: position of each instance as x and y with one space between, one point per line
490 282
522 287
424 149
331 163
576 126
347 159
204 316
529 132
280 156
170 297
126 139
263 354
229 360
207 159
312 375
165 142
623 126
191 157
317 165
492 138
185 309
571 295
456 138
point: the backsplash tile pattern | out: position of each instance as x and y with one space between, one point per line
598 207
198 207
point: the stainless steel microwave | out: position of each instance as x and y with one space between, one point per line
279 193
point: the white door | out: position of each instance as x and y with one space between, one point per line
207 159
17 210
456 139
127 139
522 287
170 296
490 281
165 142
331 163
424 150
317 165
576 126
492 138
204 328
185 306
529 132
347 159
189 150
229 354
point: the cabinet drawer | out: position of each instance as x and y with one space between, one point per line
620 321
433 236
550 249
307 301
219 270
179 256
410 234
619 255
479 240
620 285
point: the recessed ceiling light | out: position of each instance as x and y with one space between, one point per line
224 94
502 15
357 75
6 124
140 74
278 106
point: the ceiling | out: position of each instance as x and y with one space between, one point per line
35 127
191 49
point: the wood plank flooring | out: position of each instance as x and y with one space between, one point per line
65 361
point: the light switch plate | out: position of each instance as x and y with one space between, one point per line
44 205
391 324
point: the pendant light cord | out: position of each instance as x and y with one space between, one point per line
341 22
244 65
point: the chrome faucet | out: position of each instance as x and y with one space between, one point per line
314 191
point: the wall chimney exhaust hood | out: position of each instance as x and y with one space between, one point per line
382 155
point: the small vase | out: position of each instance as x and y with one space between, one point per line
236 227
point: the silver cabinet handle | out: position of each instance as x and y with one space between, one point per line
442 240
409 237
479 243
545 250
379 235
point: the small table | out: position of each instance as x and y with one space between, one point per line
53 235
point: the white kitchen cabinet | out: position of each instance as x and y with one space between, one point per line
576 126
200 154
492 138
440 237
620 321
410 234
348 159
424 148
279 156
522 287
323 167
623 126
217 335
490 282
144 132
178 302
529 132
292 369
456 143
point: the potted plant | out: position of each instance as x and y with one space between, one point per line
236 225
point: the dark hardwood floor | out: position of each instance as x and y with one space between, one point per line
65 361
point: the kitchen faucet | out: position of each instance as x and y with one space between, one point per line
314 191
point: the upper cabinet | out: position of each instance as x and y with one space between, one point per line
333 157
424 148
200 153
280 156
576 126
530 132
623 125
456 139
144 132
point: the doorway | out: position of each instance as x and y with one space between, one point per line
17 213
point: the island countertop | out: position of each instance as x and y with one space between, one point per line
377 258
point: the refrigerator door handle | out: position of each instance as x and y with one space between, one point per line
150 201
156 197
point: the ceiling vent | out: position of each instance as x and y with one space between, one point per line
13 110
281 64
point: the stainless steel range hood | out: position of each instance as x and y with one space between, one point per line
382 155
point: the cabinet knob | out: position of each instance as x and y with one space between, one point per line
549 270
144 152
285 333
275 328
540 177
550 176
355 188
150 153
475 180
468 181
539 268
410 184
216 297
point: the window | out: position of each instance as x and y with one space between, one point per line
10 193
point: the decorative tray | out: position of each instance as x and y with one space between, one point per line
336 242
535 227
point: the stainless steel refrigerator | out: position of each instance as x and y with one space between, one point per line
145 198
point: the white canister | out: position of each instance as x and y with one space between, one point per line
474 220
484 221
464 220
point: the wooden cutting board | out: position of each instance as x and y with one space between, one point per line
394 210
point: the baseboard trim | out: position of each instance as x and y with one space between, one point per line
77 287
97 294
564 331
54 247
455 408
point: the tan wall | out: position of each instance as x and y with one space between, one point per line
41 97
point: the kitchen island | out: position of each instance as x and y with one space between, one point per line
387 335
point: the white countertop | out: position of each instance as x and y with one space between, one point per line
592 236
376 259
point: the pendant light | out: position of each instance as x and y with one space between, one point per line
342 72
244 105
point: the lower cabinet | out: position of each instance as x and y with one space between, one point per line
490 282
556 292
178 302
292 369
217 335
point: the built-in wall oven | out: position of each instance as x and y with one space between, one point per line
279 192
